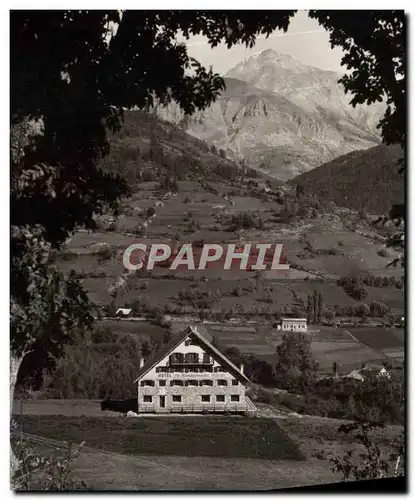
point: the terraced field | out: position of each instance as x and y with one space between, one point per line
388 342
334 251
329 345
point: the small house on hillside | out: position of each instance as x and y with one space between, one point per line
123 313
293 325
369 371
189 375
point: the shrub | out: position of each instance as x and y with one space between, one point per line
106 253
383 252
40 473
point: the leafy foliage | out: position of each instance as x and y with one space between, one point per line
353 287
104 366
71 79
374 46
40 473
295 359
372 462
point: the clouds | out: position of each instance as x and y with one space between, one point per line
305 40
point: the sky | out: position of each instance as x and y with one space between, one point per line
305 40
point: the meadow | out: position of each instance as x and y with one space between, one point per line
323 245
224 437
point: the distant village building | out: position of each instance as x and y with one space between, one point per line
293 325
123 313
369 370
219 206
189 375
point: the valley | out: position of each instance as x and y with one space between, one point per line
282 117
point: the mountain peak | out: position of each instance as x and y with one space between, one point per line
268 60
273 54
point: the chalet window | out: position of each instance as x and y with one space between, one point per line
191 357
206 382
176 357
221 382
235 397
147 399
191 382
205 398
177 382
162 383
220 369
147 382
176 399
234 382
220 398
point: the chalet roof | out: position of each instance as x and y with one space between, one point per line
369 368
354 374
123 311
294 319
176 341
372 368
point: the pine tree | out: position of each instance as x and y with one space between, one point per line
112 309
320 306
315 306
309 309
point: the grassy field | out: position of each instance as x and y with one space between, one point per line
319 436
143 329
329 344
331 293
160 453
102 468
108 471
323 244
228 437
379 339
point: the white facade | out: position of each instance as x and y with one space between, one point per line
294 325
190 377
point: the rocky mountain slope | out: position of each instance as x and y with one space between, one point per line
284 117
363 180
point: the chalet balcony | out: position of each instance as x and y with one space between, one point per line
190 360
245 409
186 368
190 363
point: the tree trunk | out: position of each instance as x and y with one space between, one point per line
15 363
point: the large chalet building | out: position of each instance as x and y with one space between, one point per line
189 375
